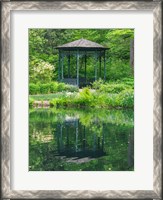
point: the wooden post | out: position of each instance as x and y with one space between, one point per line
69 65
100 63
77 67
59 66
104 66
62 59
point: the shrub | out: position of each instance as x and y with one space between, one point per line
45 88
85 96
112 88
34 88
125 98
40 70
118 69
72 88
129 82
31 101
110 100
85 93
61 87
96 84
53 87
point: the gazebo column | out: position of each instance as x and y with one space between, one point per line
96 66
85 66
62 59
69 65
100 64
59 66
77 67
104 66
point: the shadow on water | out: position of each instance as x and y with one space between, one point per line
81 140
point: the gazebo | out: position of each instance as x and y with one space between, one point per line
81 49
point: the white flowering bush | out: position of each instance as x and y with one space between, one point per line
41 71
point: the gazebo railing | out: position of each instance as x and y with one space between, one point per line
70 81
73 81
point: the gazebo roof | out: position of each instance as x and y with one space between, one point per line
81 43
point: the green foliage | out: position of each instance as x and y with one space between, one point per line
84 98
52 87
61 87
44 88
113 87
72 88
126 98
31 101
47 97
119 43
42 52
97 84
106 95
128 81
40 71
34 88
85 93
118 69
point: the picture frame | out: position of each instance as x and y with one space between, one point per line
7 8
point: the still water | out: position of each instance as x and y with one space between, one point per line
81 140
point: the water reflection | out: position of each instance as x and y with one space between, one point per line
77 140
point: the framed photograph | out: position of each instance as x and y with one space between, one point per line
81 91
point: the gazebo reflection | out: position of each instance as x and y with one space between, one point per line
78 141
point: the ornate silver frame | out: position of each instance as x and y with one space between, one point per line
7 6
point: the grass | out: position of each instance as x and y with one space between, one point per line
48 97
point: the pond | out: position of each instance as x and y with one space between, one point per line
81 140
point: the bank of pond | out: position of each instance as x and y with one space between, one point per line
99 95
85 98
